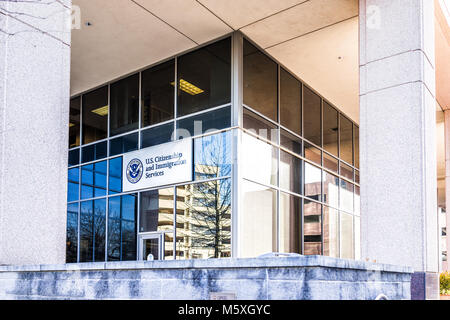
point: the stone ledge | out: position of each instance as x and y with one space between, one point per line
272 262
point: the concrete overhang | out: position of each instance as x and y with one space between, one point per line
316 39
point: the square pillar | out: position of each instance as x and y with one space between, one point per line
34 113
399 219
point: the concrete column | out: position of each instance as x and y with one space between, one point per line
34 113
399 221
447 180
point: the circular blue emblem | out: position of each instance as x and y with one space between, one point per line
135 169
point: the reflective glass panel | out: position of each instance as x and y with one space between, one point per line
212 156
260 82
204 220
313 182
74 157
99 229
290 223
115 175
290 172
330 162
95 115
203 123
346 140
122 228
74 122
312 224
94 152
259 126
356 141
330 189
72 233
204 78
259 160
330 232
158 93
346 171
73 185
124 105
93 180
312 153
157 135
330 129
258 226
291 142
346 236
311 116
86 231
357 176
157 210
290 102
124 144
357 238
357 209
346 196
168 246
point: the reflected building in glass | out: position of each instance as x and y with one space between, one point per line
275 165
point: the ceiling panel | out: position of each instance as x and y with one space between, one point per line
315 59
297 21
189 17
123 37
239 13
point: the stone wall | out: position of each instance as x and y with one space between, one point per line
305 277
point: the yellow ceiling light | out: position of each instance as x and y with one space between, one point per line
71 125
103 111
189 87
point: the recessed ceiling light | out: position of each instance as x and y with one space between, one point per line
103 111
189 87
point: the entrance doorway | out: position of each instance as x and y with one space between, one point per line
151 247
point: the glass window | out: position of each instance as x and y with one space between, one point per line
346 171
93 180
290 223
290 172
124 105
357 176
346 236
74 122
356 141
115 175
157 211
313 182
346 140
258 226
94 152
73 193
259 126
330 129
312 153
204 220
72 233
95 115
357 201
290 102
157 135
158 93
260 82
204 78
212 156
312 228
291 142
259 160
204 123
330 162
124 144
92 230
330 232
330 189
311 116
357 231
122 228
74 157
346 196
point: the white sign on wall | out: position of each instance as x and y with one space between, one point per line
164 164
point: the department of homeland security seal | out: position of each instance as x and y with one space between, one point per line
135 169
